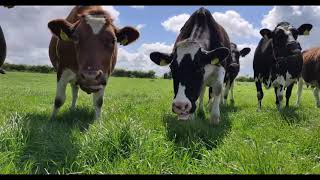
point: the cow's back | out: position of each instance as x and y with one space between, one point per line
62 54
218 37
3 47
311 65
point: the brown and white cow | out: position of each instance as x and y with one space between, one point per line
310 74
83 50
3 50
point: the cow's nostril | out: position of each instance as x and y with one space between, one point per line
82 76
99 74
186 106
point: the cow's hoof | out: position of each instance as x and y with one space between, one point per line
214 120
279 108
318 104
231 101
2 71
201 113
297 105
258 109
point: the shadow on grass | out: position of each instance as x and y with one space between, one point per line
50 144
290 115
198 132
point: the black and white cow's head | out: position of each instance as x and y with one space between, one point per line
285 36
286 51
187 64
235 57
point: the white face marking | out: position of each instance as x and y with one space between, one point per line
181 99
186 47
96 22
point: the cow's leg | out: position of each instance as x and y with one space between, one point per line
279 96
259 94
60 98
288 94
217 88
75 90
2 71
98 101
231 93
203 90
299 91
226 92
316 96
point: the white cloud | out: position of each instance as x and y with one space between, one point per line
113 12
137 7
140 26
140 59
296 15
235 25
175 23
232 21
246 63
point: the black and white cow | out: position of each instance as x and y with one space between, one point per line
3 50
198 60
232 71
278 60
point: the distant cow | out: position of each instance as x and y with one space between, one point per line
278 60
310 74
232 71
83 50
3 50
198 60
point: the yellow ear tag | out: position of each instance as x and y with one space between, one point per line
64 36
215 61
306 33
163 62
124 42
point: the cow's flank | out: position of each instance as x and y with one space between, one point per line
310 74
83 50
3 50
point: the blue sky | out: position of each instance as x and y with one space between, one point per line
158 26
152 16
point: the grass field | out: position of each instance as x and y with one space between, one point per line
140 134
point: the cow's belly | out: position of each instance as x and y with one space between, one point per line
213 75
284 80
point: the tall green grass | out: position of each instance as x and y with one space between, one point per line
140 135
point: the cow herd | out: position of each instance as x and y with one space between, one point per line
83 51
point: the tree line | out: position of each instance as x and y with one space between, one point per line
50 69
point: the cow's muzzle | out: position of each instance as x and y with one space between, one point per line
91 81
294 47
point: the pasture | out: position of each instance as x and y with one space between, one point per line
140 135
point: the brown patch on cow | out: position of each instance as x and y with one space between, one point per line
311 65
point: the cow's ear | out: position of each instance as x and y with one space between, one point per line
62 29
218 55
305 29
245 51
266 33
127 35
161 59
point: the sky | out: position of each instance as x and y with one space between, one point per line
27 35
